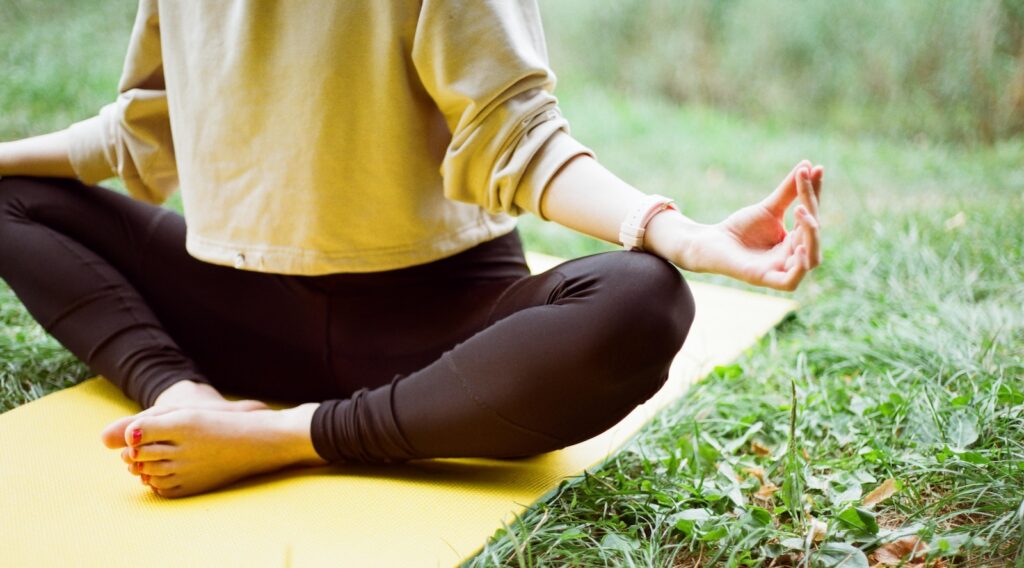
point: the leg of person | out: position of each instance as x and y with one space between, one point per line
508 366
380 323
563 356
110 278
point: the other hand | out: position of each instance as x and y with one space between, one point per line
753 244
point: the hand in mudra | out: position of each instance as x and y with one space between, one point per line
753 244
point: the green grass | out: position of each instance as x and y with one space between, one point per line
907 356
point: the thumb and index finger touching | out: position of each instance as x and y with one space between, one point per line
787 191
803 183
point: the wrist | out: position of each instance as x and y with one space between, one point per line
5 159
674 237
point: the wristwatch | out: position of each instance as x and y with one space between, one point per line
632 230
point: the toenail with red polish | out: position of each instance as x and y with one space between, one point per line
136 436
145 479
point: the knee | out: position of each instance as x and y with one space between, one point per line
648 309
623 318
651 301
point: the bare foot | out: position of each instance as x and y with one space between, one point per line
191 394
185 451
183 394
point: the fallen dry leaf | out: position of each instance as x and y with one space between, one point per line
881 493
766 491
755 471
818 530
760 449
906 551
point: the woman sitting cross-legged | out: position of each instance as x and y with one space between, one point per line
351 174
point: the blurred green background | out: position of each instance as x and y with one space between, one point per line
945 70
950 70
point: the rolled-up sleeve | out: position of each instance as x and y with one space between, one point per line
484 63
131 137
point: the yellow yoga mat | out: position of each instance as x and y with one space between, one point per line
65 500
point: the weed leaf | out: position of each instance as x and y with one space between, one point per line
859 520
840 555
962 430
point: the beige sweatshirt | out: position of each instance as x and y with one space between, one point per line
319 136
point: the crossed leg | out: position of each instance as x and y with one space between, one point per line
110 278
538 362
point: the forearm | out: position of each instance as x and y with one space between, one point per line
586 197
45 155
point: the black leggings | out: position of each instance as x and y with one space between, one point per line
464 356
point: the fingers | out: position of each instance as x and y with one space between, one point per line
810 228
793 272
789 242
800 251
808 182
805 191
817 174
794 257
778 201
802 254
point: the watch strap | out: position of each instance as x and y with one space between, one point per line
631 232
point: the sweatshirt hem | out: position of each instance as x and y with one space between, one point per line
308 262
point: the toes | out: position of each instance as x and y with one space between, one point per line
115 435
119 434
149 452
162 481
156 468
172 493
165 426
152 452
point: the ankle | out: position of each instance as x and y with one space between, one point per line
294 429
